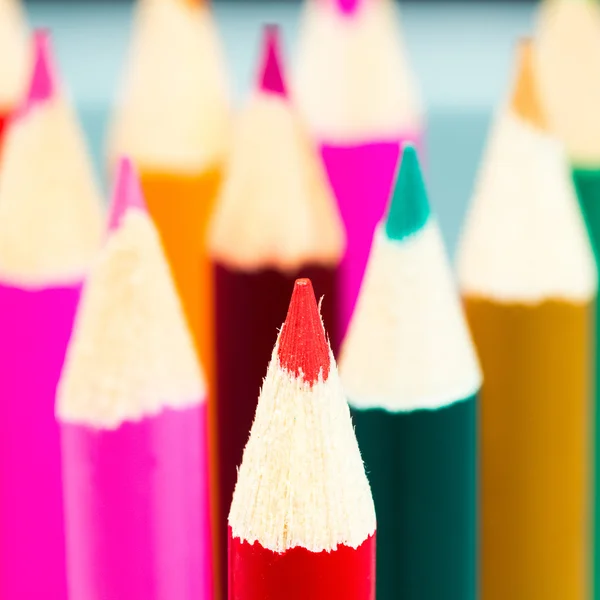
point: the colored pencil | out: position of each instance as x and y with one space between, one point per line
359 96
173 120
568 58
302 520
132 407
275 220
529 282
50 227
14 59
411 375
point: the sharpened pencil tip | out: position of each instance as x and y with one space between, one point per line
271 74
42 85
526 101
127 193
409 207
348 7
303 348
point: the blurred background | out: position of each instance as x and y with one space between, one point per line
460 52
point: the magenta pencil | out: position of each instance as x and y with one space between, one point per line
359 97
50 225
132 407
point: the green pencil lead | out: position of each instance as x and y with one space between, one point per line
409 206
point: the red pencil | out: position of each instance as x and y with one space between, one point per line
302 520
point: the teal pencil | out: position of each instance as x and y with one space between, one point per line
412 377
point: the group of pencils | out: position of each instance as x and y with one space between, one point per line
163 436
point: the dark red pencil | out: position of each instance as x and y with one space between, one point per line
276 220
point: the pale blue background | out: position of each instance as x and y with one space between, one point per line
461 53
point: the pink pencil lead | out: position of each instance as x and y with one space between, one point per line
43 85
348 7
127 193
271 76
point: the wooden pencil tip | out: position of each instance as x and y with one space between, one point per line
409 207
271 75
526 101
127 193
42 85
303 348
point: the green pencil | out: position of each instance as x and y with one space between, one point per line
412 377
568 60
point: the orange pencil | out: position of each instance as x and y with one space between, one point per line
173 121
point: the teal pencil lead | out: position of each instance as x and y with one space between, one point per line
409 206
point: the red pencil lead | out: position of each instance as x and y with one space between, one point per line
303 348
271 76
127 193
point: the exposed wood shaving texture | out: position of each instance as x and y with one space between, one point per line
525 239
131 353
276 208
173 112
50 208
568 62
352 80
302 481
14 54
408 346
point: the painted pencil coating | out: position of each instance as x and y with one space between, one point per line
256 573
361 176
536 447
36 326
182 223
137 496
422 470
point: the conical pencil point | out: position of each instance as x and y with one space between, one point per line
271 74
409 206
348 7
526 101
303 348
127 193
42 86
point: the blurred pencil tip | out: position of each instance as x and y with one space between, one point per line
127 193
526 100
271 73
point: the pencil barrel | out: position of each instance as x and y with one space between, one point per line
361 177
256 573
250 307
536 447
34 331
137 511
422 470
587 184
181 206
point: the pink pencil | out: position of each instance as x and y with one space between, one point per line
132 408
359 97
50 226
